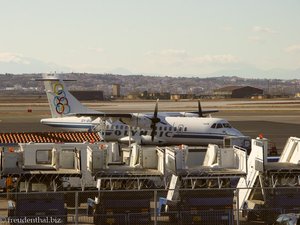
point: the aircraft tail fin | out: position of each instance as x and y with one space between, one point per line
60 100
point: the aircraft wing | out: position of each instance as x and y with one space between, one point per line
205 111
102 114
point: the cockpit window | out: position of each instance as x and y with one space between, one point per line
219 125
226 125
213 126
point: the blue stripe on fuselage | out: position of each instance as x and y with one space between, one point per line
203 136
71 126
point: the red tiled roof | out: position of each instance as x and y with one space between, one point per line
47 137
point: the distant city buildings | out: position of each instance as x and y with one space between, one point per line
116 90
109 86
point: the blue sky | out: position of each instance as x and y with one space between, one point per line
159 37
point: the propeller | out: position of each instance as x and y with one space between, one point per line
202 113
154 120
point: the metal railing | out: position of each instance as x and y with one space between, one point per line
196 206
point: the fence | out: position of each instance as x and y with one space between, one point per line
127 207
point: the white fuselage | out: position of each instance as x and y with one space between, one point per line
176 130
171 130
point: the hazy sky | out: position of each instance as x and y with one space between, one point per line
257 38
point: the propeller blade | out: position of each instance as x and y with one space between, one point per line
156 109
200 113
154 121
152 135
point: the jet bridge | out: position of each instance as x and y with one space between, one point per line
142 168
66 164
125 185
202 180
270 186
46 168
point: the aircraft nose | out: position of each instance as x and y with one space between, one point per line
235 132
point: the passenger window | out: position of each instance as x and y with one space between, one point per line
219 125
160 128
175 128
213 126
117 127
185 129
170 128
180 129
165 128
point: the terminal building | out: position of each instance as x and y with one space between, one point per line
238 92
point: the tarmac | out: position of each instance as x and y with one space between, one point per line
276 120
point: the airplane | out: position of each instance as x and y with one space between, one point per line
146 128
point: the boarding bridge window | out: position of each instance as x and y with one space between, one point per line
43 157
67 159
214 125
219 125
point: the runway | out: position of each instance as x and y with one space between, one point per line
275 120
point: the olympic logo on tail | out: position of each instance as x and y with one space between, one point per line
60 100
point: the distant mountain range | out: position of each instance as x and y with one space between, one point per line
263 74
18 64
